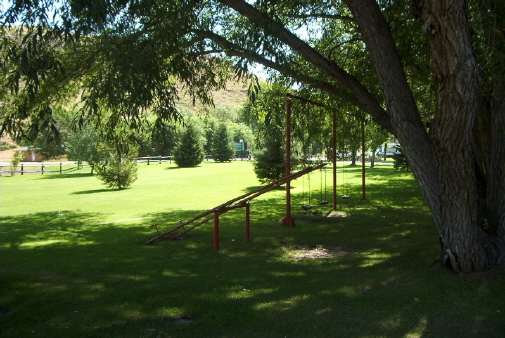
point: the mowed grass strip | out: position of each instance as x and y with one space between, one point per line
74 263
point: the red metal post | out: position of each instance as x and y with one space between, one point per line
334 158
363 171
288 221
247 219
216 229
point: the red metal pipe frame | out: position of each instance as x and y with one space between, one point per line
244 201
288 220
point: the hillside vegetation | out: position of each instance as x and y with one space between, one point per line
234 96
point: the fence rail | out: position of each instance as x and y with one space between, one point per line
26 168
158 159
39 168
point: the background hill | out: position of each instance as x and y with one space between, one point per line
235 96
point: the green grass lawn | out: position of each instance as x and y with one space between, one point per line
73 263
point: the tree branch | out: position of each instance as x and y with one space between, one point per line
365 99
234 50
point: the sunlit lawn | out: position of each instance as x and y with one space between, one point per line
73 263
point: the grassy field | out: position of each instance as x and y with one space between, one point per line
73 263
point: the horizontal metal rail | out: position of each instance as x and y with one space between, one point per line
231 204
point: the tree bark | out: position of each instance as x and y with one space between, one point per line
451 190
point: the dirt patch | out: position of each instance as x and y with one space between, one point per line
323 215
319 217
318 252
338 214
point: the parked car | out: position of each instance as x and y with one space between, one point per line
389 154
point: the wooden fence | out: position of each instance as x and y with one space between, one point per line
39 168
155 159
26 168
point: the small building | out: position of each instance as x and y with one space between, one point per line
30 154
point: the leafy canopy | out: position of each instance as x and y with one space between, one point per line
118 61
115 61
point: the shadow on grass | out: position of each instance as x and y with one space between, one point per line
254 188
180 168
44 228
72 174
95 191
383 287
64 272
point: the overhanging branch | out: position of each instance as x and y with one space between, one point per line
232 49
365 100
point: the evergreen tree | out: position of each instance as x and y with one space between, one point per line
189 150
119 169
222 145
269 162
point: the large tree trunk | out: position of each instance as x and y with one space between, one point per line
456 79
451 190
464 241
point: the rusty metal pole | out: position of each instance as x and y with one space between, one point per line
288 221
216 229
363 170
247 219
334 158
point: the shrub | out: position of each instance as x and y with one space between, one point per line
17 157
119 170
